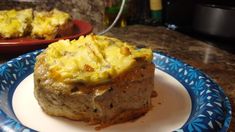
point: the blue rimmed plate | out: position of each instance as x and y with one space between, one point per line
188 100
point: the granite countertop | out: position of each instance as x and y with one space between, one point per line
218 64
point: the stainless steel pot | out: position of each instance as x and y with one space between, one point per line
215 20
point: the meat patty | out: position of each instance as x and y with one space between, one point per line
125 97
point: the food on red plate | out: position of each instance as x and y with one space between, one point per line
14 23
48 25
35 24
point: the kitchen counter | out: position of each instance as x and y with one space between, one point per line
218 64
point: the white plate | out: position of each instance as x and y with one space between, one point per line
188 101
171 110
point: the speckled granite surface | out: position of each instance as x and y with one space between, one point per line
89 10
218 64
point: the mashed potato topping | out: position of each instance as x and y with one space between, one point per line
92 59
15 23
45 24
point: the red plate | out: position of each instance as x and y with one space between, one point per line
22 45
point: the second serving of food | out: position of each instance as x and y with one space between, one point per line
34 24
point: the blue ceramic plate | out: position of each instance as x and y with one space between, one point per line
211 110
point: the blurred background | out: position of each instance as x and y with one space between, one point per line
212 21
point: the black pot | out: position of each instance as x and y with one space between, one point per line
215 20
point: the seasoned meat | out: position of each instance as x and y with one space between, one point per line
122 98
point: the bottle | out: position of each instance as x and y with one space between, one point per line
111 10
156 10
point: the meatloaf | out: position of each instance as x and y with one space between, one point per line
36 24
96 79
52 24
15 23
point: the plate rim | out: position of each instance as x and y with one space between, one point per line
228 115
35 53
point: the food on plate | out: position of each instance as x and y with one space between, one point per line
14 23
96 79
36 24
48 25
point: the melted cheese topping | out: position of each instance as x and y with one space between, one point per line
92 59
45 24
15 23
